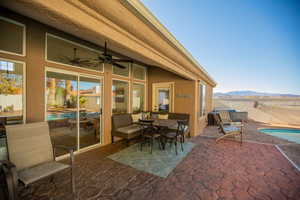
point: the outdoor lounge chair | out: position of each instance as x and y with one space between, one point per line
228 130
31 157
226 119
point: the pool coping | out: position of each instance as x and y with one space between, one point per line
284 154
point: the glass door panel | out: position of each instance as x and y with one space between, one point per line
90 102
163 99
61 108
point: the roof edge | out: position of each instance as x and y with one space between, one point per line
146 14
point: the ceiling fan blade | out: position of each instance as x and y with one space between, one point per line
74 53
118 65
105 48
121 60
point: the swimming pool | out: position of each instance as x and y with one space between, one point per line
71 115
292 135
58 116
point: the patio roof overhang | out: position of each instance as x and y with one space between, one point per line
127 25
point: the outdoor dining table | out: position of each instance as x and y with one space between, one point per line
170 124
163 126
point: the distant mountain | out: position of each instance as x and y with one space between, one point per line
244 93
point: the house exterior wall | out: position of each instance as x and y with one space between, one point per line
186 90
181 87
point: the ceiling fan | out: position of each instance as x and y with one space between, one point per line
105 57
79 61
108 58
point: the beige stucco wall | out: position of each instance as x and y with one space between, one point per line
184 97
35 79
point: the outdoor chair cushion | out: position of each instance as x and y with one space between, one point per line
30 175
235 123
121 120
229 129
163 116
146 115
154 116
129 129
225 116
136 117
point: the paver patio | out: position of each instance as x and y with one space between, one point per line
210 171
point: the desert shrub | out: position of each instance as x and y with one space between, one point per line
255 104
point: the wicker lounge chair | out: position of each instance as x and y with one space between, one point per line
31 157
228 130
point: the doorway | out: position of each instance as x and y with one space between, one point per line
163 97
74 109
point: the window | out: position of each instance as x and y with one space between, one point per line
120 91
202 96
11 92
66 52
139 72
138 97
121 71
12 38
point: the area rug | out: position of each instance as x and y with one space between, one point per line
160 162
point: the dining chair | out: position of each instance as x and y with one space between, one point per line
149 133
173 136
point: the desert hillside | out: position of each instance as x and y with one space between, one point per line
281 111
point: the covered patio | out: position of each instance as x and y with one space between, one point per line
224 170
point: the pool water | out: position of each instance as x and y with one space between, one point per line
70 115
292 135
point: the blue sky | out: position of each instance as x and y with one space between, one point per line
243 44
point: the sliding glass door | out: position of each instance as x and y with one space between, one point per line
73 109
61 97
90 111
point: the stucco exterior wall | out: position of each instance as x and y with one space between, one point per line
186 91
184 97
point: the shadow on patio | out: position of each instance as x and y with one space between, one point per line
224 170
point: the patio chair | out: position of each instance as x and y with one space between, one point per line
31 157
228 130
174 136
226 119
149 133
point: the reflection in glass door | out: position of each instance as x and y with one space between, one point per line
90 111
67 97
162 97
61 106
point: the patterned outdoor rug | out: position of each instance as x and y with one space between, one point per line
159 163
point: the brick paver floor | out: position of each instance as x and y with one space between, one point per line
211 171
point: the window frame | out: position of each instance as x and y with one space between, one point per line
23 54
129 94
145 94
139 66
24 113
121 76
74 43
202 99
